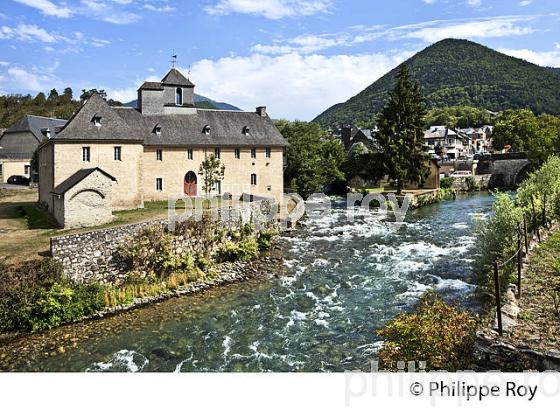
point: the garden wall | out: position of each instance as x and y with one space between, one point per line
92 256
482 181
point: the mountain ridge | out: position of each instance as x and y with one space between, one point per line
458 72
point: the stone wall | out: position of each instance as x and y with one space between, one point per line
505 170
92 256
483 182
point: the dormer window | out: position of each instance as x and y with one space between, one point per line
246 130
46 132
157 130
96 120
206 130
179 96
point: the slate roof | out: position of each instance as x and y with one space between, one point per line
174 77
151 85
226 128
81 126
34 124
123 123
77 177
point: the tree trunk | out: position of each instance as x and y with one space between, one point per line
399 187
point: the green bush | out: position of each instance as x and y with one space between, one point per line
496 240
243 250
472 185
265 239
446 182
437 333
35 296
151 252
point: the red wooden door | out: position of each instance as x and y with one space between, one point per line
190 184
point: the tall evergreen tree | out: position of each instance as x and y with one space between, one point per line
401 133
53 96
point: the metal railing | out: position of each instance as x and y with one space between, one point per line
523 241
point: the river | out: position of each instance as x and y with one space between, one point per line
343 280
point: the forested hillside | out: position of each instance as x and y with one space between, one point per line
459 73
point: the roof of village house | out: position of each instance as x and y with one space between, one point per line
76 178
151 85
82 125
225 128
35 124
96 120
174 77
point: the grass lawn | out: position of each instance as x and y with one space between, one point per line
539 320
25 230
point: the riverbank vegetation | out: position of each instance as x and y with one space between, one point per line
522 130
439 334
538 324
536 205
36 295
314 158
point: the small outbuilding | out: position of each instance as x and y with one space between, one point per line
84 199
432 182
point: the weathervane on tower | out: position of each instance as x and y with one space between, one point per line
173 59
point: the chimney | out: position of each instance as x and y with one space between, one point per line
261 111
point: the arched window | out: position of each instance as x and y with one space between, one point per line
179 96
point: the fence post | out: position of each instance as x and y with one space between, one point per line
525 233
498 298
544 215
536 222
519 260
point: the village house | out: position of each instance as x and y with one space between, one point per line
19 142
444 142
147 154
353 137
447 143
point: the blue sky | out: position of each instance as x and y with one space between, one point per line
296 57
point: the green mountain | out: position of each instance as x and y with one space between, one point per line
459 72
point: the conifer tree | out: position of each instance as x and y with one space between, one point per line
401 133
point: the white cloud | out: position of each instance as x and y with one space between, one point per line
104 11
430 1
48 8
315 82
32 33
304 44
477 28
429 32
474 3
525 3
542 58
34 79
28 32
271 9
161 9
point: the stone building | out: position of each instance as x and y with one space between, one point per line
19 142
156 150
84 199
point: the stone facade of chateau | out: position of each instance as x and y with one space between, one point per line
156 151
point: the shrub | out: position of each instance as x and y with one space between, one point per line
245 249
35 296
446 182
496 240
437 333
265 239
151 252
472 185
